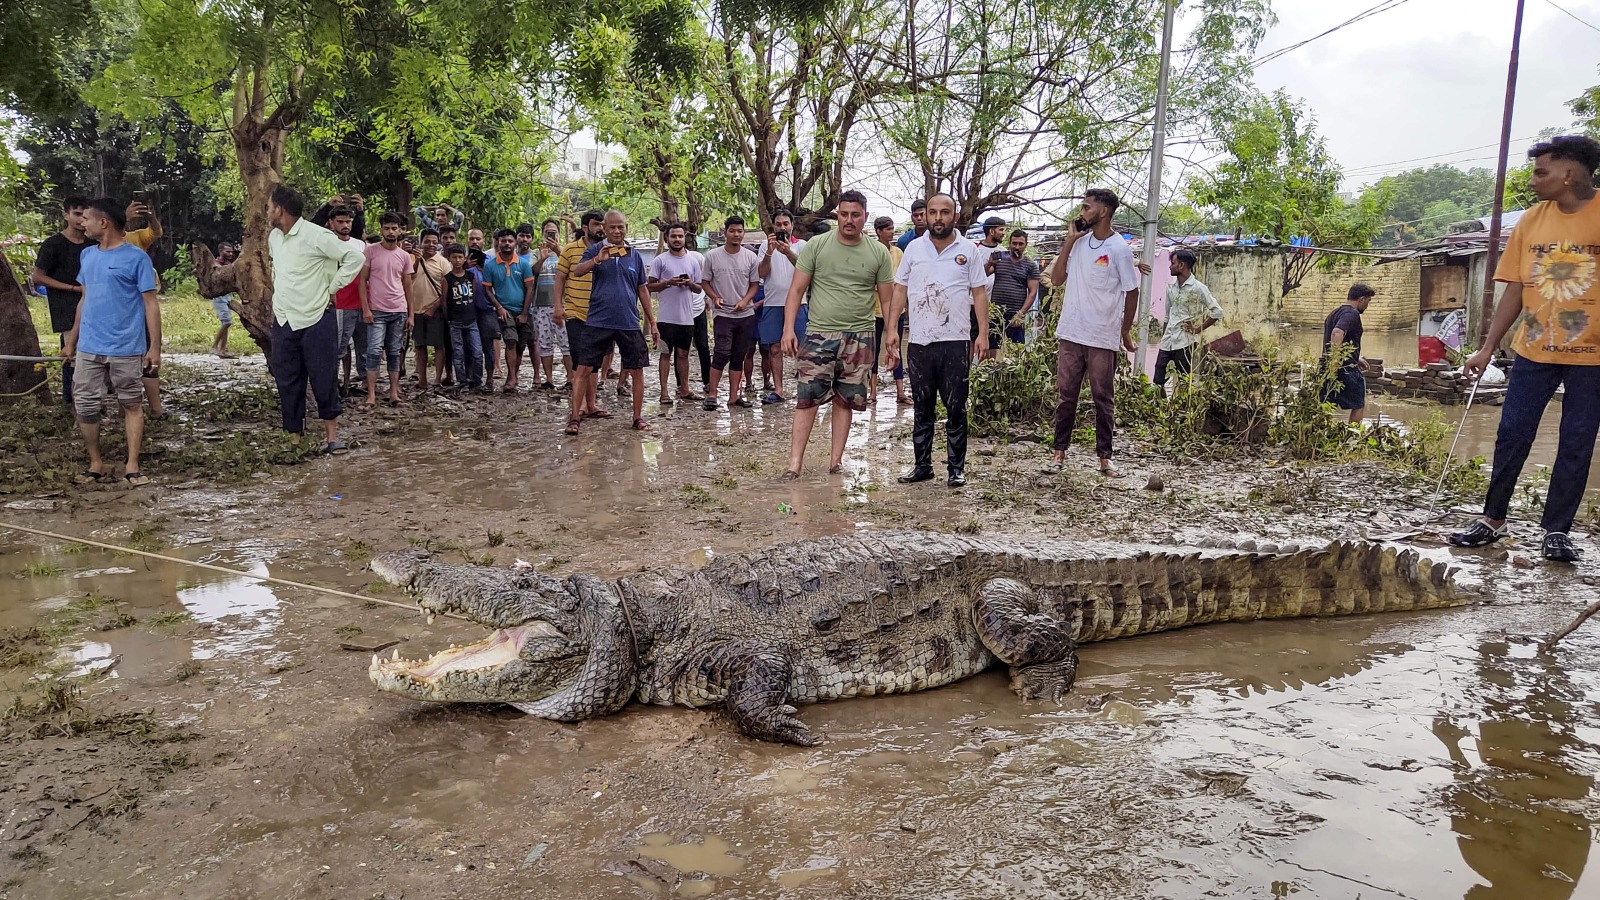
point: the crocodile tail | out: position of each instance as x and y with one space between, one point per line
1152 592
609 675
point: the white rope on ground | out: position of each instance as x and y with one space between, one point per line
409 607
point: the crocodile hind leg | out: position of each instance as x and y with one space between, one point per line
1036 645
758 693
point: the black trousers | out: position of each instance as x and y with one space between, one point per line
1177 359
939 371
309 355
702 347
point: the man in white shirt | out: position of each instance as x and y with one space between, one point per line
777 273
674 277
941 283
994 232
1097 311
1190 310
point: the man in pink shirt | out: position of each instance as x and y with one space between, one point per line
386 307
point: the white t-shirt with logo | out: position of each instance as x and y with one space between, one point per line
1099 276
939 288
775 287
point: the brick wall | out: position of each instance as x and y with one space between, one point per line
1399 287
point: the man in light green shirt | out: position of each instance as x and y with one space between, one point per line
846 274
309 265
1190 310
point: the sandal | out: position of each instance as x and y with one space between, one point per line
1481 534
573 425
641 425
335 448
136 479
1109 472
1558 548
903 401
742 403
667 401
89 476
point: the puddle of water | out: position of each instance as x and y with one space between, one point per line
712 855
37 580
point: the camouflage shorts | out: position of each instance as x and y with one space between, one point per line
834 364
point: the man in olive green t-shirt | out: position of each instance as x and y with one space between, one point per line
846 275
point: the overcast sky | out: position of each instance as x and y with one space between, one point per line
1428 77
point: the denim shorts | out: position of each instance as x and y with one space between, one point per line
219 305
386 340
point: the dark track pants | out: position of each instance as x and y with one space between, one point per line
1073 362
939 371
1531 386
309 355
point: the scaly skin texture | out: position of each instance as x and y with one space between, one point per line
860 615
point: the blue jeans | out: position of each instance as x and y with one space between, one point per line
466 350
1529 391
386 337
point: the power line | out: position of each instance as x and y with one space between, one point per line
1380 166
1385 6
1584 22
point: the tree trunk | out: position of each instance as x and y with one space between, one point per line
259 147
17 338
404 193
213 280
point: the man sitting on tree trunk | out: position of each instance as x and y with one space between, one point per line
309 265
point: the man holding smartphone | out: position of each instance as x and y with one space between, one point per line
777 272
675 277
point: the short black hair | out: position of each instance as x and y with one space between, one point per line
916 204
1359 290
1187 257
285 198
426 232
112 210
504 232
74 202
549 222
340 212
593 215
782 211
677 226
1019 233
525 228
1585 151
392 218
883 222
1103 196
453 249
860 199
442 229
731 221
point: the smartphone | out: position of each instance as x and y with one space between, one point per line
1080 224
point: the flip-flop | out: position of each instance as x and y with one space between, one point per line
136 479
573 425
335 448
904 401
641 425
1109 472
667 401
88 477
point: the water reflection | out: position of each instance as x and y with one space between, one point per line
1521 776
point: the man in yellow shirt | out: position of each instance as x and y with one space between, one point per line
143 238
572 308
1551 306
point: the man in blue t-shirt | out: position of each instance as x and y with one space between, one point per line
508 278
617 297
115 336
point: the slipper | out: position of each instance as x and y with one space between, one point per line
573 425
771 398
743 403
667 401
903 401
641 425
335 448
136 479
598 414
90 477
1109 472
835 470
790 475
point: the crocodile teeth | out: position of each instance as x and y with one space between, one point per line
396 654
374 660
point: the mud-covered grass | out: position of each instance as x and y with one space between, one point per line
214 430
188 325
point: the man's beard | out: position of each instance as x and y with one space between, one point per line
941 231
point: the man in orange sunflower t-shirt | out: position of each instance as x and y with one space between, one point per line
1551 306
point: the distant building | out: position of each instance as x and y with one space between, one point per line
588 163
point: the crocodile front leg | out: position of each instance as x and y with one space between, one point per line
758 693
1037 646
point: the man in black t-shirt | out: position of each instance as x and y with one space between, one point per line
1348 389
57 269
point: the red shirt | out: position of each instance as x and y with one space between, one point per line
349 296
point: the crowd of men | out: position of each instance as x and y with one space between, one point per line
841 304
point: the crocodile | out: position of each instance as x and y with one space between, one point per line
854 616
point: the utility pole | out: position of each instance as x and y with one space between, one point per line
1486 309
1152 206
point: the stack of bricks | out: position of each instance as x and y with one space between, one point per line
1439 382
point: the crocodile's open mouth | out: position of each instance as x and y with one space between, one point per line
522 663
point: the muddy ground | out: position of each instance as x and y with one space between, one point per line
224 744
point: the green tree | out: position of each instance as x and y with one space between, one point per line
1427 201
1278 182
37 42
